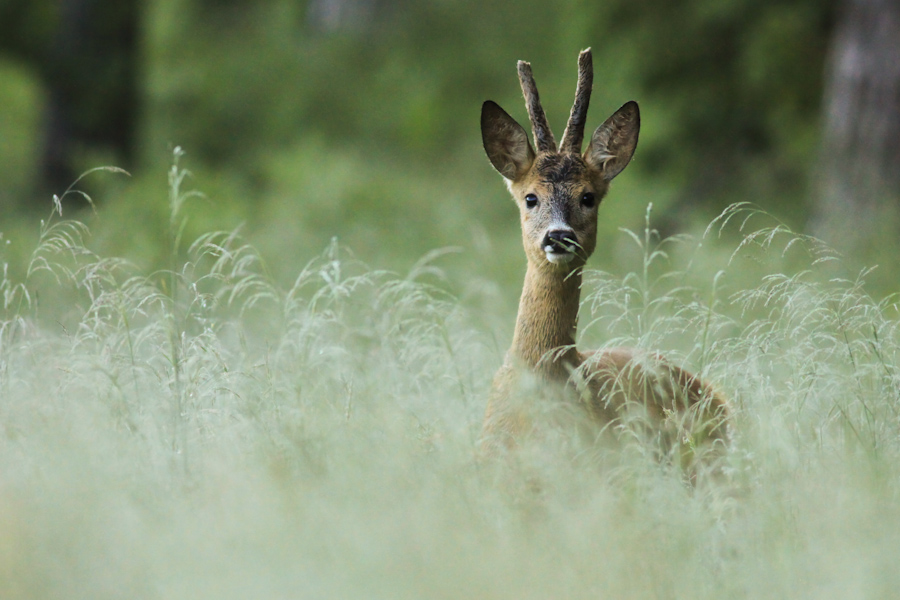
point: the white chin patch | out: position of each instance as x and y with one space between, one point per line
558 258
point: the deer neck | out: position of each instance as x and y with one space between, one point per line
547 320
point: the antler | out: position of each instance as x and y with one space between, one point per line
573 136
543 137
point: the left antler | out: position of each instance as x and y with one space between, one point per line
573 136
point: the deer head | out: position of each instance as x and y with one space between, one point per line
559 190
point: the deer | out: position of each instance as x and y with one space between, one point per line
558 191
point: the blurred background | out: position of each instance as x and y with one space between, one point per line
303 120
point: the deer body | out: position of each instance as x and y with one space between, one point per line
558 191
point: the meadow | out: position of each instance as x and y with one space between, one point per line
208 431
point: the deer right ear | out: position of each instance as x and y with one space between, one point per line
613 143
505 142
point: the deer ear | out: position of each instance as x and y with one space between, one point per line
505 142
613 143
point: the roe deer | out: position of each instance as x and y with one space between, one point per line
558 192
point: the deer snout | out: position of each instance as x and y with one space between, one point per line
559 245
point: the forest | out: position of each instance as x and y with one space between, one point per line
278 103
258 273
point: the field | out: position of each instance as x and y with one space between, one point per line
205 431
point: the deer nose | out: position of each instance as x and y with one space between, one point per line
560 240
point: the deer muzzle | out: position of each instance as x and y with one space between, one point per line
560 245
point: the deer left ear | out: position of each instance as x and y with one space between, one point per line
613 143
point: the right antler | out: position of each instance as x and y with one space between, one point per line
573 136
543 137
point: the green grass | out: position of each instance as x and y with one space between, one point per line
206 432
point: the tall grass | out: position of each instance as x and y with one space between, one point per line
204 433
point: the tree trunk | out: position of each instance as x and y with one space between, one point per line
91 71
334 15
859 179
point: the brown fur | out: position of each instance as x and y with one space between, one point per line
613 384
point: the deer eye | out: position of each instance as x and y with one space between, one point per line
531 200
588 200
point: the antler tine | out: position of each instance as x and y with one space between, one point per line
573 136
543 137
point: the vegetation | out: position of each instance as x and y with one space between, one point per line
274 388
302 131
202 431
